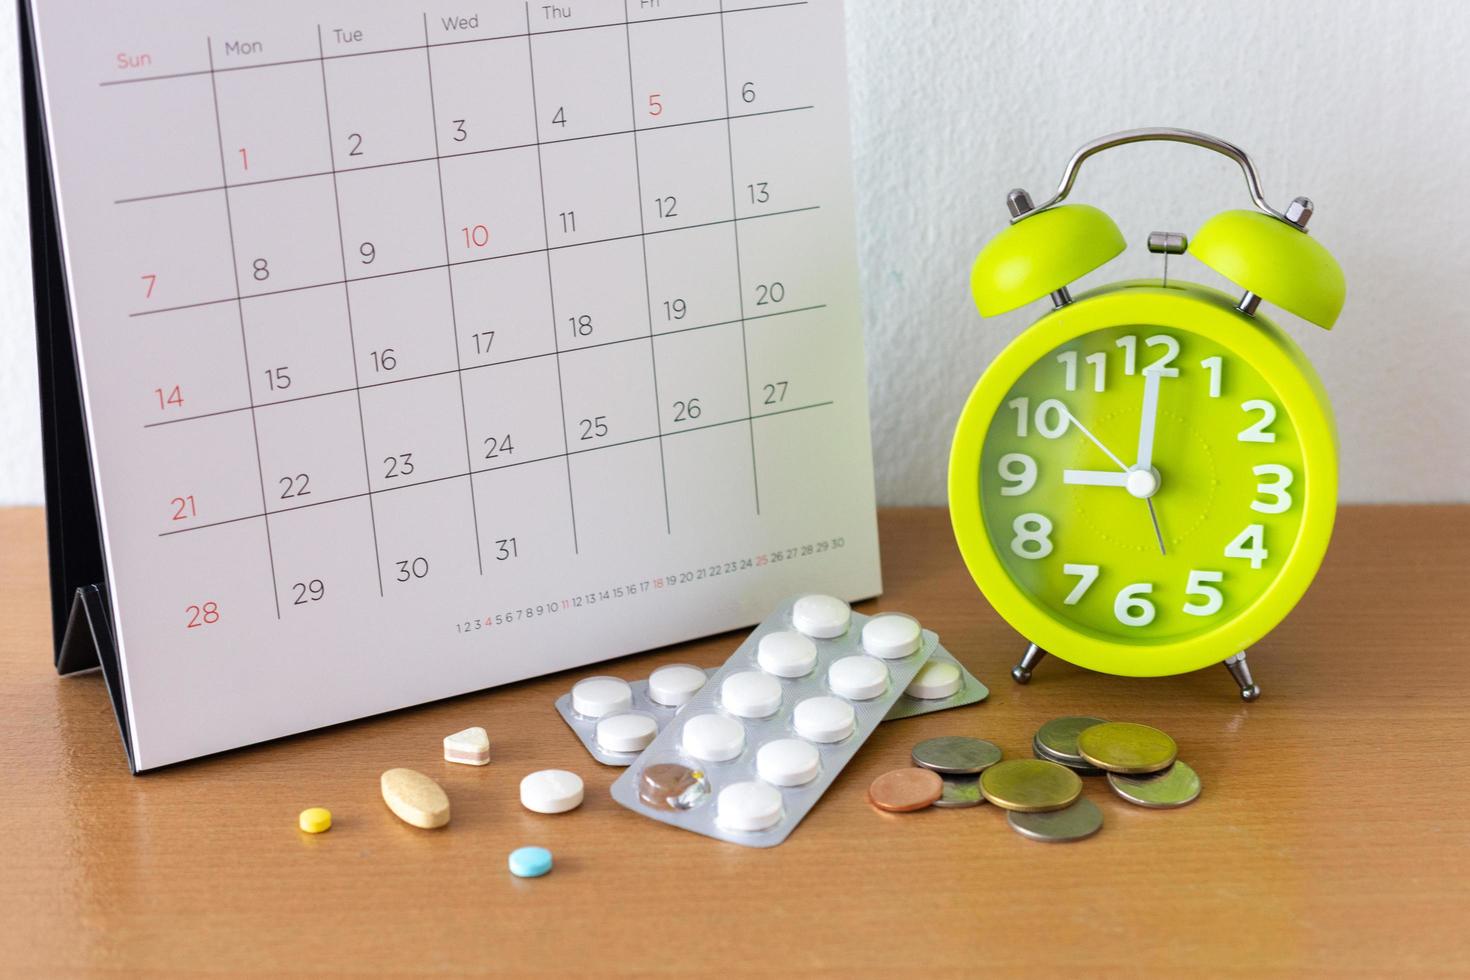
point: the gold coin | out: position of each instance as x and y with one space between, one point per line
903 790
1175 786
1120 746
1030 785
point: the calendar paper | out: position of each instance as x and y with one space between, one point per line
428 348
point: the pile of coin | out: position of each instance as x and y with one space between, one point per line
1140 762
1043 796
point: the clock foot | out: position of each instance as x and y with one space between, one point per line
1241 671
1022 671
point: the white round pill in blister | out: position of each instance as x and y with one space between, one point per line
824 719
713 738
597 697
788 762
674 685
858 678
936 679
551 791
748 806
822 616
786 653
626 733
891 636
751 694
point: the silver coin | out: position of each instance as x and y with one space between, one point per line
960 791
1058 738
1175 786
1081 819
1080 768
956 755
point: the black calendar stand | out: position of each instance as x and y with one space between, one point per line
81 620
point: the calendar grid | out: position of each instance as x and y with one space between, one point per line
472 153
748 419
647 289
439 44
460 262
240 314
351 330
453 308
504 466
739 271
473 367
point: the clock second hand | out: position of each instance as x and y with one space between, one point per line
1155 518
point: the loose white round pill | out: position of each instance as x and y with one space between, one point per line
675 684
626 733
891 636
597 697
786 653
751 694
824 719
551 791
858 678
748 806
788 762
713 738
936 679
822 616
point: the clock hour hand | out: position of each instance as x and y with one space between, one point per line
1095 478
1148 417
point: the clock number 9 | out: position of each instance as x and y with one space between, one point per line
1020 471
1033 536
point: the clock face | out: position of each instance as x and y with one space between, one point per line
1142 484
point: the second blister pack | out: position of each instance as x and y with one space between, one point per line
754 750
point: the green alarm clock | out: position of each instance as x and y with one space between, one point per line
1144 481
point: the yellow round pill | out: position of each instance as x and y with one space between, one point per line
315 819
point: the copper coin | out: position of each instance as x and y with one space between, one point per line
903 790
1127 748
670 786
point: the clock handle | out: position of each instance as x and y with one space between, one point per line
1295 214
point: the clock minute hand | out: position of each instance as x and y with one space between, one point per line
1095 441
1148 417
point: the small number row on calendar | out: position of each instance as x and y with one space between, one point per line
366 225
282 121
513 526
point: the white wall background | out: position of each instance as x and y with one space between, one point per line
1364 107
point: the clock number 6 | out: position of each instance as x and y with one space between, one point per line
1131 608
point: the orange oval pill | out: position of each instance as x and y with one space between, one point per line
903 790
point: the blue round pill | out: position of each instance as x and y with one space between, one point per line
529 862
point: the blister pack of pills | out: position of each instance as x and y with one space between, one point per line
616 719
753 751
942 683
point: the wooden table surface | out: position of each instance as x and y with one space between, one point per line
1332 836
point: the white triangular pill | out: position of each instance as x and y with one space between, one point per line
471 747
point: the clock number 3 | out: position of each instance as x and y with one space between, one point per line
1281 478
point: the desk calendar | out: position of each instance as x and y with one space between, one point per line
422 349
